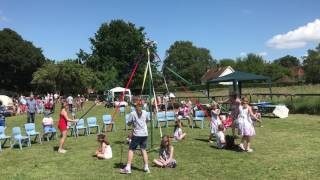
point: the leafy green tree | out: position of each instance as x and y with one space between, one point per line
227 62
67 77
275 71
288 61
311 65
116 48
188 61
251 63
19 59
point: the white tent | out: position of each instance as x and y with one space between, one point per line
120 90
6 101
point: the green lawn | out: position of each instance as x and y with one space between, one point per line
284 149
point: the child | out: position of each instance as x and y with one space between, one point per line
183 113
246 129
47 124
220 138
104 151
165 154
178 134
257 116
215 121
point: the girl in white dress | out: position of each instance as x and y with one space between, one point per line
104 151
215 121
246 129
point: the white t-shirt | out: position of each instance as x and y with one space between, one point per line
139 124
220 138
70 100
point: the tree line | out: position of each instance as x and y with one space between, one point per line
116 48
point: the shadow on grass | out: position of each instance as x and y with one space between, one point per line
122 165
203 140
55 148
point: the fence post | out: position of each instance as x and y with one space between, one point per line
250 97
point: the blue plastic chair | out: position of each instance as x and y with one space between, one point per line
3 137
122 110
199 116
132 108
17 137
72 128
126 120
92 123
107 120
170 116
47 130
161 117
80 125
31 131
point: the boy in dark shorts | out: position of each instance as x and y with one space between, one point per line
138 119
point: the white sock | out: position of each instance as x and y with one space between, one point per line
146 166
128 167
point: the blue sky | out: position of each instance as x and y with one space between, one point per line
228 28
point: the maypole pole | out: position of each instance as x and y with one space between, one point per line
150 99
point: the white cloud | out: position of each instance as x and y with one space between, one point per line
296 38
262 54
242 54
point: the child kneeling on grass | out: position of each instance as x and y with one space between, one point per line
104 151
166 154
220 138
178 134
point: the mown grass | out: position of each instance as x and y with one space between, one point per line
284 149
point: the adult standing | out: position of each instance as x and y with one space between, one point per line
63 126
70 102
32 108
138 119
234 102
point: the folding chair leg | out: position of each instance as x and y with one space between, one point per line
20 145
0 146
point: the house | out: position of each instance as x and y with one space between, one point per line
214 73
297 72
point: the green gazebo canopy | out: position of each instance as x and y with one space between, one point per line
240 76
237 78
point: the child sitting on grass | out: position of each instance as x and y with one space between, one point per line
220 138
104 151
165 154
178 134
257 116
215 121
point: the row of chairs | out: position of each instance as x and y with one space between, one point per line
91 123
171 116
17 137
166 117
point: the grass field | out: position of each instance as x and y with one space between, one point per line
284 149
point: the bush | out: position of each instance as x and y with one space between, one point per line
304 105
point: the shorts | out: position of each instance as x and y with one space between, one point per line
138 140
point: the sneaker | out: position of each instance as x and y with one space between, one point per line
62 151
125 171
147 170
242 147
249 150
210 142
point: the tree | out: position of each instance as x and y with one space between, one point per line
251 63
227 62
311 65
288 61
19 59
188 61
116 47
67 77
276 71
